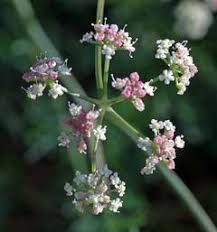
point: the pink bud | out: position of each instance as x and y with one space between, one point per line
169 134
99 36
52 74
171 164
159 139
138 103
134 76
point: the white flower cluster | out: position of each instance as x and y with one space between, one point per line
56 90
149 89
178 59
161 147
108 51
163 47
37 89
74 109
100 132
96 191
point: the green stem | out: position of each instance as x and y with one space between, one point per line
98 50
123 124
116 100
95 144
84 97
105 78
171 178
188 199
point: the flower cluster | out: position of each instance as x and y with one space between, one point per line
96 191
45 72
83 124
162 147
111 38
134 89
178 59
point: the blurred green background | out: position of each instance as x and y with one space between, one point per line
33 169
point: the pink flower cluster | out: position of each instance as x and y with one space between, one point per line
82 123
162 147
134 89
45 73
47 68
182 58
111 38
181 64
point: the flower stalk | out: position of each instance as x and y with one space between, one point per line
105 78
98 50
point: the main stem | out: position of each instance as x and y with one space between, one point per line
171 177
105 78
98 50
99 80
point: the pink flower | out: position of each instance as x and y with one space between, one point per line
82 147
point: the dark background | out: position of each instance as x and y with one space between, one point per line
33 169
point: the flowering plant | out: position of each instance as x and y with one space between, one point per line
102 188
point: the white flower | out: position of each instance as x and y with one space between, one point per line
87 37
150 165
128 44
115 205
179 142
99 132
169 125
121 189
115 180
79 178
144 143
167 76
64 140
156 125
56 90
181 88
108 51
118 83
163 48
35 90
165 43
185 80
97 208
74 109
68 189
148 88
105 171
